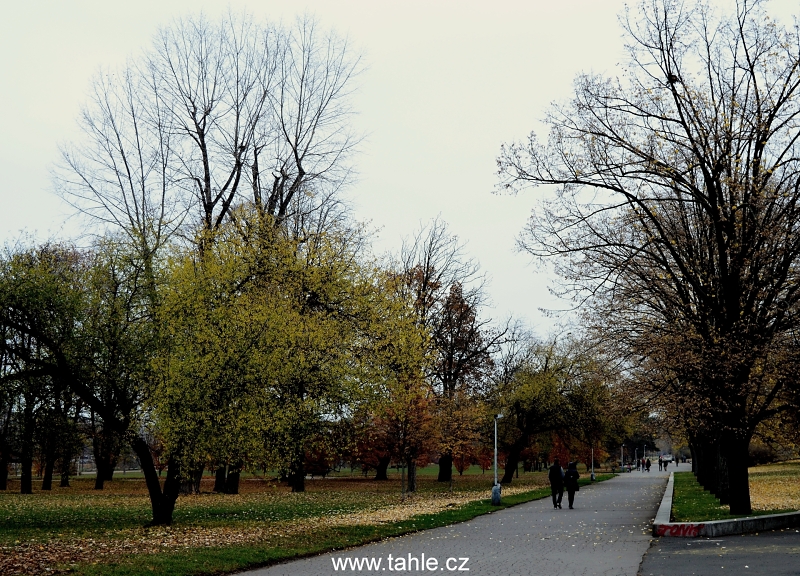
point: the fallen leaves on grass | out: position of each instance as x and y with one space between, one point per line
46 557
775 487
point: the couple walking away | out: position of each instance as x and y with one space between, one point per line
560 480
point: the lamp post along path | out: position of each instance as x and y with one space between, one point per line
495 486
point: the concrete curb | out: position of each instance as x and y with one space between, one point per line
663 527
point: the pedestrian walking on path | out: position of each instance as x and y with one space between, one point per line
647 464
571 482
556 477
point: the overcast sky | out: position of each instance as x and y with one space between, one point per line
446 83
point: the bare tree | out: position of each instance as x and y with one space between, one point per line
304 149
122 173
203 118
678 212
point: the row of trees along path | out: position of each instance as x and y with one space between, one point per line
677 221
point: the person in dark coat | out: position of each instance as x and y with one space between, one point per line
556 477
571 482
647 464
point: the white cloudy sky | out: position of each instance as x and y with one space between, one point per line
446 84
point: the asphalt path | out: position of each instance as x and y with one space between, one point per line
775 553
607 533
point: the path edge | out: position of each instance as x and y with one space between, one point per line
663 527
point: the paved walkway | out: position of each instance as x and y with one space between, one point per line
774 553
607 533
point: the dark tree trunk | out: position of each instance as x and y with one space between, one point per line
99 448
100 475
26 449
708 473
232 481
219 479
162 502
738 477
66 469
445 468
381 472
412 475
297 476
511 463
26 474
191 483
723 491
113 456
47 479
106 447
4 470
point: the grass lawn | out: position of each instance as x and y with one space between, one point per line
774 488
102 532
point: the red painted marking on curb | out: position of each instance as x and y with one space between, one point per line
679 530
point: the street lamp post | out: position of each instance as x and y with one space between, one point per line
496 486
622 457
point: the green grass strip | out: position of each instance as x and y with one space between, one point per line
692 503
221 560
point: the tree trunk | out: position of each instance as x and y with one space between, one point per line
26 474
232 481
297 475
511 463
66 468
738 476
723 478
445 468
162 502
412 475
219 479
26 461
99 449
708 476
113 456
49 466
100 474
191 483
381 472
4 470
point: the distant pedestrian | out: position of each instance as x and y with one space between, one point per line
556 477
666 463
642 464
660 463
677 459
647 464
571 482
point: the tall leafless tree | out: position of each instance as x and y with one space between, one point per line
677 215
215 114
